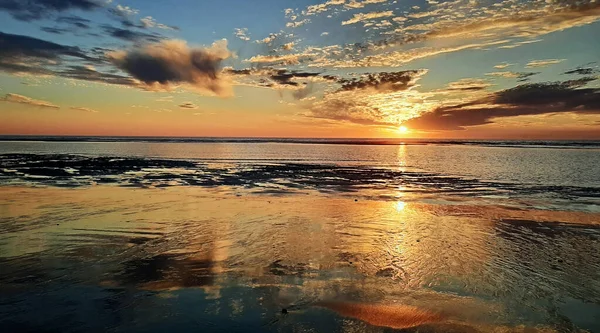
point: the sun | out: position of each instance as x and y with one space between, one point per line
403 129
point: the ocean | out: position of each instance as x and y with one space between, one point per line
129 234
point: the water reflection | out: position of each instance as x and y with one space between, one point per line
400 205
188 258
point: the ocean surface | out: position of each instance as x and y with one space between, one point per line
298 235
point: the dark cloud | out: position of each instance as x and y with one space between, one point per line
130 35
19 46
56 31
90 74
188 105
173 62
285 77
74 21
246 71
29 10
301 82
582 71
21 68
27 55
384 81
526 99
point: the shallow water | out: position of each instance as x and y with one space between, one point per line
155 242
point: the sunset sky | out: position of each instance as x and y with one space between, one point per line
271 68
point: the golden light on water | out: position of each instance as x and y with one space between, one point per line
400 205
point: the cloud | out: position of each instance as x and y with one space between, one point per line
522 76
188 105
287 46
29 10
360 17
276 78
466 26
23 55
15 98
382 99
352 56
543 63
582 71
503 65
87 73
149 22
286 59
296 24
19 47
527 99
284 77
355 4
468 85
124 11
173 62
241 33
74 21
320 8
521 43
524 20
383 81
54 30
77 108
269 39
130 35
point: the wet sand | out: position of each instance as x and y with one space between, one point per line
189 257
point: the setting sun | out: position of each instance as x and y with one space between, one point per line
403 129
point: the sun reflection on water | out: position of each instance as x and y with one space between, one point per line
400 205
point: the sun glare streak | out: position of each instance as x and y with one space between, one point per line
403 129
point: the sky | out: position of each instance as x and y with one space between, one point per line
470 69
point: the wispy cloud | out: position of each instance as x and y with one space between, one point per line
296 24
284 59
20 99
543 63
360 17
468 85
77 108
394 58
523 76
150 22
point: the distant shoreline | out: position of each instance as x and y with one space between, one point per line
342 141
